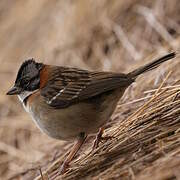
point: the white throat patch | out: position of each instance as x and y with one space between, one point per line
24 95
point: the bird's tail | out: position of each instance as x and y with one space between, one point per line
151 65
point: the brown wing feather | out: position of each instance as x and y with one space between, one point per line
70 85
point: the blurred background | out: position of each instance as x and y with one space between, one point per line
96 35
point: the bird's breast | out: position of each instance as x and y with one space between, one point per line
66 123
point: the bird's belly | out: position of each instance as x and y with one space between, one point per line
68 123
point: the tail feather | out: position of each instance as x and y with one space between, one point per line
151 65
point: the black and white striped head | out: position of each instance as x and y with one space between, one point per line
28 78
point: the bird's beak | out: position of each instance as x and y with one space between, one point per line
14 91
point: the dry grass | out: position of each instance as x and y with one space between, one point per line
106 35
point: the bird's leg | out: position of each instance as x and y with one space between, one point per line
73 152
100 138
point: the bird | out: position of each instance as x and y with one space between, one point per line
71 103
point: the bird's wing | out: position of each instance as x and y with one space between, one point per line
70 85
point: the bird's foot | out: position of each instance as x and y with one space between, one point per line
64 167
100 138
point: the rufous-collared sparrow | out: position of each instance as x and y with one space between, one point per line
69 103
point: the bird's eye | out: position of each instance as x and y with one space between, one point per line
26 81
